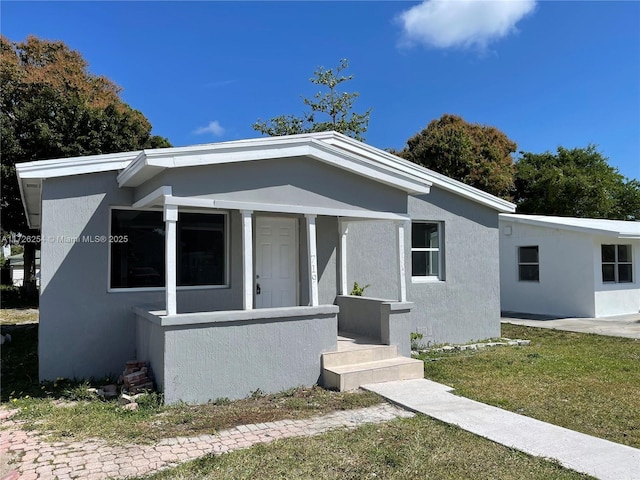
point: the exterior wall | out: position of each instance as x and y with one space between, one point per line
465 305
231 354
84 329
567 266
150 346
75 302
293 181
616 298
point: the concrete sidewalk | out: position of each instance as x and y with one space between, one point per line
583 453
627 326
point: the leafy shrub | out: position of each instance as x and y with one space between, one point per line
18 297
78 392
357 290
416 343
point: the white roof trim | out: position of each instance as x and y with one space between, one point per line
330 147
154 197
281 208
64 167
426 174
611 228
150 163
35 172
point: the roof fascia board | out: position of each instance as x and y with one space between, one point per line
372 170
75 165
41 169
23 197
281 208
536 222
153 198
438 179
149 164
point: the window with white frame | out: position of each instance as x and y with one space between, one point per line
138 255
617 266
528 264
426 253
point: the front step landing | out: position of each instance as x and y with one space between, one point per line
359 363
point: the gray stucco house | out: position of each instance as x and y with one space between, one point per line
228 266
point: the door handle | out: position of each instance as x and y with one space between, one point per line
257 289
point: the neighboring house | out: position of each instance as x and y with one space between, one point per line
16 266
569 267
258 243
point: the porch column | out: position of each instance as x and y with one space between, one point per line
402 284
247 259
170 263
344 230
313 259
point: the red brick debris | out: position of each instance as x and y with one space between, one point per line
137 377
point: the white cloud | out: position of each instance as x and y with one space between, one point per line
214 127
462 23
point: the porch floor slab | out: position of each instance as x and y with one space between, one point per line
350 341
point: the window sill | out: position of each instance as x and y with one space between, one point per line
426 280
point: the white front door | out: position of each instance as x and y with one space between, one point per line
276 262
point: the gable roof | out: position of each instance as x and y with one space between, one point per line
332 148
615 228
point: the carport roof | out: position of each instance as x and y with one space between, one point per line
616 228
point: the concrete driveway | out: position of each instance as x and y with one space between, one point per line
619 326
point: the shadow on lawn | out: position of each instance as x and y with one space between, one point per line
19 368
20 362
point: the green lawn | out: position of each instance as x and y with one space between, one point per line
65 410
416 448
583 382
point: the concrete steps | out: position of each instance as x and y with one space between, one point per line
358 363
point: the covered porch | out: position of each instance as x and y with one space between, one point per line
252 268
272 338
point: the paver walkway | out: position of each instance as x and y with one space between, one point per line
594 456
96 459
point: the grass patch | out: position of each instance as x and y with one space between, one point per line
75 420
19 362
13 316
583 382
402 449
64 408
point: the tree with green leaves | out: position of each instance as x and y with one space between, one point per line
330 109
53 107
576 182
478 155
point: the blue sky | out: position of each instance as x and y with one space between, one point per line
546 73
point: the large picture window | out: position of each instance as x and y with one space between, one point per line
528 264
138 257
617 266
426 259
